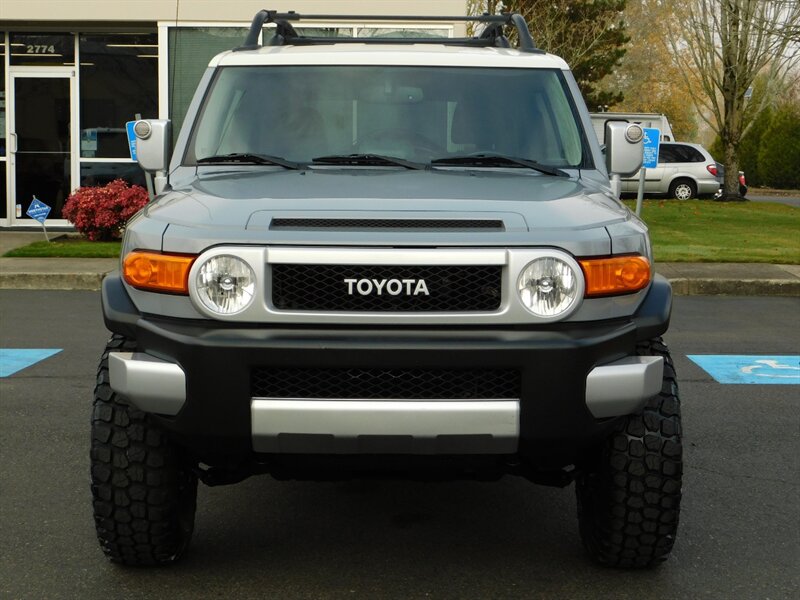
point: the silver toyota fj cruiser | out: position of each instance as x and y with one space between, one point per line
402 257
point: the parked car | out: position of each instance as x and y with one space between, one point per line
684 171
720 172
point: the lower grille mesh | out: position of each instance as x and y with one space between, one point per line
386 384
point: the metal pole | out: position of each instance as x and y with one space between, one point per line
640 193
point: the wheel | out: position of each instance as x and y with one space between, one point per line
683 189
629 496
144 495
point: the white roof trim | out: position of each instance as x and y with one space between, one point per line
374 54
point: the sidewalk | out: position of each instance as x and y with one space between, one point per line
688 279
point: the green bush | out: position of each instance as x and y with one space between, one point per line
779 152
751 145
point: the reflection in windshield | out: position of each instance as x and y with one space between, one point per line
415 114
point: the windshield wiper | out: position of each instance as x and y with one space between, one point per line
487 159
251 159
366 159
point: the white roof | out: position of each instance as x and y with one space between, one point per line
439 55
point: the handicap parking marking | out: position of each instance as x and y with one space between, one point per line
737 368
13 360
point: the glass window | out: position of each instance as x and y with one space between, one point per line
680 153
42 49
2 104
43 126
3 192
3 188
101 173
695 155
415 113
119 79
667 154
190 50
321 32
401 32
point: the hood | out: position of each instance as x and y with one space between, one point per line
241 204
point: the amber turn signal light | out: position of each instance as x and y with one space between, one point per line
158 272
617 275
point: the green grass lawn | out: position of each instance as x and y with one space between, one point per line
68 247
708 231
681 231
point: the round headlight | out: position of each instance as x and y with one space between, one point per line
225 284
549 287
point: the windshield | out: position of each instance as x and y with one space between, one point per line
417 114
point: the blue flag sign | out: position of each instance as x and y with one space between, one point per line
131 139
652 137
38 210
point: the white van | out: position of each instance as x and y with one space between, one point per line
658 121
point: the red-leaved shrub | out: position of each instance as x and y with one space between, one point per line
100 213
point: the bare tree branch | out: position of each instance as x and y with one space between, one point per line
727 44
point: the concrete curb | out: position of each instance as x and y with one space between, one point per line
54 273
51 281
735 287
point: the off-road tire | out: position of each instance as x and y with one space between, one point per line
629 497
144 495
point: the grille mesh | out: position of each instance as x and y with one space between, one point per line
386 384
455 288
482 224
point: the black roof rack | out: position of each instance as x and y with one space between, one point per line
492 34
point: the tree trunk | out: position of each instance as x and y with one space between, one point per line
730 186
732 96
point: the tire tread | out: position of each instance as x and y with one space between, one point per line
144 498
629 501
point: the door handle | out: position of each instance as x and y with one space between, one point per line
12 149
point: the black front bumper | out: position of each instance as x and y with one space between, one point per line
553 361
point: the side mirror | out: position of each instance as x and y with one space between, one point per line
624 148
152 144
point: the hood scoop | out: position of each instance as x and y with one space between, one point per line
405 224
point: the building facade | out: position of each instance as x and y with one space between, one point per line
73 72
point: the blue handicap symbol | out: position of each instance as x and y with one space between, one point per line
132 148
13 360
652 140
748 369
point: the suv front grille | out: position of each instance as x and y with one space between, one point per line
386 384
451 288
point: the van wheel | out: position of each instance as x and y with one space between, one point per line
629 494
683 189
144 494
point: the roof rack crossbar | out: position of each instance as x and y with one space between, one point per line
316 41
492 35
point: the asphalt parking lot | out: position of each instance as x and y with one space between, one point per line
739 535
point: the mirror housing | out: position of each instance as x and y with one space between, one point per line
152 144
624 144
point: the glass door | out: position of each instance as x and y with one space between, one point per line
42 141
